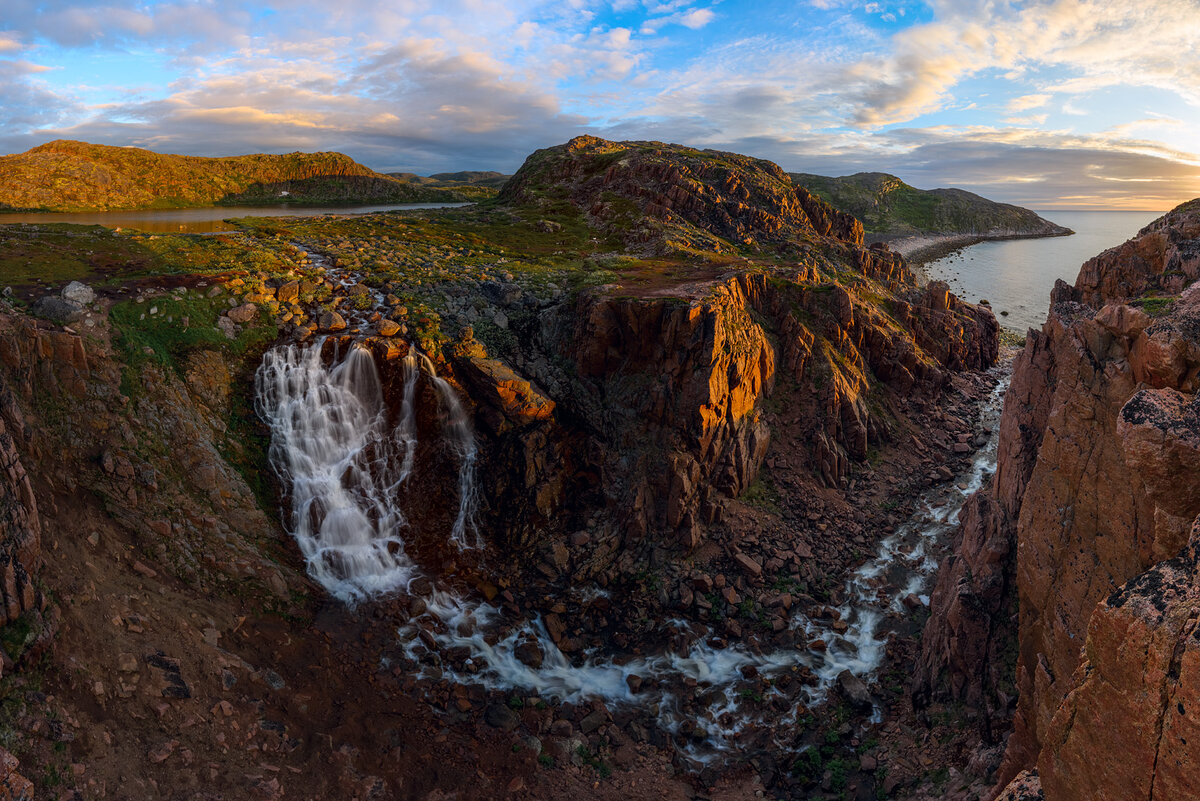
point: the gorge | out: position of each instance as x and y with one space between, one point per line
634 481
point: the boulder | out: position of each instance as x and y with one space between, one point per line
332 321
289 292
243 314
80 293
499 716
854 690
59 310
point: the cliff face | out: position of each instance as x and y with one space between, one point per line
1090 516
618 422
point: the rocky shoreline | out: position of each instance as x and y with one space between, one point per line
920 250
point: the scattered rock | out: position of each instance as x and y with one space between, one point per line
748 563
500 716
332 321
80 293
243 314
855 690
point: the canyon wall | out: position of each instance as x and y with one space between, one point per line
1087 522
657 401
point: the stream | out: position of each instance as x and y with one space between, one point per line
347 460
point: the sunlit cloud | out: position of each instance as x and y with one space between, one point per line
1040 102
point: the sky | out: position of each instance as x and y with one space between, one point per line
1053 104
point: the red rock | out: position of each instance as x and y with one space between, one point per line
748 564
243 314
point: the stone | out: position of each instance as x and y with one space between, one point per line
748 564
59 310
854 690
387 328
593 721
78 292
528 652
162 751
288 293
500 716
243 314
332 321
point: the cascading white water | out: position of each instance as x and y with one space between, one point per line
330 444
406 427
460 435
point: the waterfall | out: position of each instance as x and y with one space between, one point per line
347 471
330 445
460 437
406 427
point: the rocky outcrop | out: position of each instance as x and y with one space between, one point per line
13 786
31 357
1124 731
20 527
1163 257
1027 786
658 400
654 193
1094 489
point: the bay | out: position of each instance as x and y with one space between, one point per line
1016 275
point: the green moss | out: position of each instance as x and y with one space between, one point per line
1156 306
763 494
164 337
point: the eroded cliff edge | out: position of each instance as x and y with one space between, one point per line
1087 530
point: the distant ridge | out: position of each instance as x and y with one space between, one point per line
66 175
474 184
890 208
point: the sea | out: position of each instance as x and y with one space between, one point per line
1016 275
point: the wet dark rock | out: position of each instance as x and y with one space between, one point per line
500 716
855 690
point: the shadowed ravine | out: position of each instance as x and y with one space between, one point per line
347 459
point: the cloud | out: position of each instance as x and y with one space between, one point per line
414 106
1027 102
463 83
697 18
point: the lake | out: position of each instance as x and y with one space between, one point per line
1016 275
199 221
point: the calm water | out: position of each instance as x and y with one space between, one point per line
201 221
1017 275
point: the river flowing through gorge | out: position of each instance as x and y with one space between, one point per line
348 463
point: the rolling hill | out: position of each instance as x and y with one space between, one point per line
890 208
66 175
